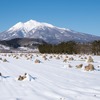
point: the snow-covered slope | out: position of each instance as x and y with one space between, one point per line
45 31
50 79
3 47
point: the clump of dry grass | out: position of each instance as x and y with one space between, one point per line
45 58
14 56
20 78
85 57
0 58
90 67
90 59
79 66
21 55
54 55
5 60
65 60
17 57
0 74
61 56
37 61
5 54
82 58
57 57
70 66
50 57
71 58
9 55
28 59
37 55
66 57
31 56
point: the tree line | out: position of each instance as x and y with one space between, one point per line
71 47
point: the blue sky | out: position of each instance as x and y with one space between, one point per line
78 15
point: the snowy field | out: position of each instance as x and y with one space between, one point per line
50 79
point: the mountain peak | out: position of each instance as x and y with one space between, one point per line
36 23
33 21
31 24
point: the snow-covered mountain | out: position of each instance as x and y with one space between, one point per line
45 31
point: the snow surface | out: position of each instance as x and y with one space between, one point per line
50 79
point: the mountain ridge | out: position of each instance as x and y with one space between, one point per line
47 32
